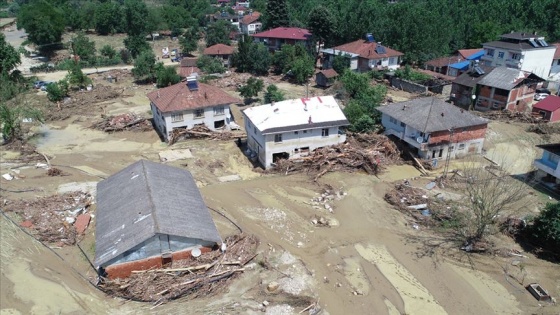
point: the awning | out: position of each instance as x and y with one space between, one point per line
463 65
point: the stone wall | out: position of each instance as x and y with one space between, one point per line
408 86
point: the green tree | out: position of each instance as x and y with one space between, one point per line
108 18
273 94
260 58
240 59
135 15
9 57
282 60
354 83
145 67
218 33
341 63
11 117
82 46
108 51
189 40
302 69
251 88
321 24
167 76
210 64
43 23
136 44
76 77
546 226
276 14
57 91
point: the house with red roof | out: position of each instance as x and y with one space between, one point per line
188 68
276 37
190 103
365 54
220 51
548 108
250 23
455 65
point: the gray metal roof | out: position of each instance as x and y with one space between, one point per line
552 148
470 78
522 45
417 114
144 199
504 78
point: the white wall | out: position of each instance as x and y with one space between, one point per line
538 61
189 120
456 152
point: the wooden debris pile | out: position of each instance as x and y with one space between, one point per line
204 275
128 121
544 129
201 131
51 219
368 152
509 116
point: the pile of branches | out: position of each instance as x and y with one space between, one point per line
51 218
509 116
201 132
128 121
361 151
204 275
544 129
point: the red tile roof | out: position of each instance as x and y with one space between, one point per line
367 49
466 53
329 73
285 33
443 61
551 103
250 18
189 62
178 97
219 49
557 53
188 71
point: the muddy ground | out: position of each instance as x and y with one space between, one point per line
368 259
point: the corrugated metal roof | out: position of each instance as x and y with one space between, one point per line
477 55
463 65
472 78
504 78
550 103
429 114
144 199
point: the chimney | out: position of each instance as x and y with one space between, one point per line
310 121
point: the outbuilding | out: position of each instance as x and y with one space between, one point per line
548 108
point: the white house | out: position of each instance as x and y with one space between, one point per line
549 164
434 128
250 23
293 128
523 51
187 104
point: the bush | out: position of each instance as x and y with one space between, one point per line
546 226
108 51
125 55
57 91
210 64
408 74
167 76
273 94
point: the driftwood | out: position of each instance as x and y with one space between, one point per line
128 121
368 152
202 131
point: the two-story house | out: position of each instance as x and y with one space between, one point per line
433 128
293 128
549 164
220 51
365 55
518 50
250 23
190 103
276 37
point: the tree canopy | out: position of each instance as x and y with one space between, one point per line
43 23
546 226
9 57
145 66
276 14
218 33
251 88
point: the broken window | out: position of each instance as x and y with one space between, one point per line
218 110
199 113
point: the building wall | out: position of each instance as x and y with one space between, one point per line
537 61
408 85
310 139
461 95
549 163
189 120
458 149
460 135
545 114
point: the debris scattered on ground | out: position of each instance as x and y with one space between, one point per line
204 275
325 200
52 218
369 152
509 116
545 128
128 121
53 171
202 132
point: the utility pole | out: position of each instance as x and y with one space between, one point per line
448 158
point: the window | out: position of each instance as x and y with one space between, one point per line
501 55
177 118
305 131
402 124
255 130
451 148
199 113
278 137
461 146
490 52
296 132
218 110
325 132
515 56
393 120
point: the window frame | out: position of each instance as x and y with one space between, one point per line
219 110
461 146
278 138
197 113
501 55
490 52
175 118
324 132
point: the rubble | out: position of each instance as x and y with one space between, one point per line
52 219
202 131
53 171
368 152
128 121
544 128
199 276
509 116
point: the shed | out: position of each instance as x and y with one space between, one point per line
149 215
326 78
548 108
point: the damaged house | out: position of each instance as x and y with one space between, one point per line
149 215
434 129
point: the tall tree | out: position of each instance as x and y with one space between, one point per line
240 58
276 14
135 14
82 46
260 58
43 23
145 66
108 18
136 44
322 24
218 33
189 40
9 57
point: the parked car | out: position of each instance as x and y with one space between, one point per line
41 85
541 94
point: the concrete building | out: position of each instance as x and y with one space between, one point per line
293 128
250 23
549 164
149 215
190 103
433 128
523 51
276 37
555 67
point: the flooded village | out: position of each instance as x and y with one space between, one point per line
360 190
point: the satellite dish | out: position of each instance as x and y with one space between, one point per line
196 252
419 140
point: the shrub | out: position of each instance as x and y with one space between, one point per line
57 91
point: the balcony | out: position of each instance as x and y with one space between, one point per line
547 166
